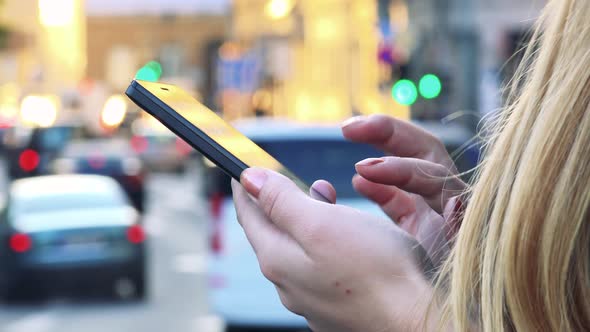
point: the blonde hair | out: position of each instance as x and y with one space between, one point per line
521 260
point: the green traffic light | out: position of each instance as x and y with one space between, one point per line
404 92
151 72
430 86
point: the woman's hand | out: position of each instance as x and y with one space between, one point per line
416 185
340 268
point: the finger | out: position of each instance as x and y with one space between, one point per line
276 251
400 138
323 191
396 203
427 227
287 207
258 229
432 181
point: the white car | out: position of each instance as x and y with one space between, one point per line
238 291
71 231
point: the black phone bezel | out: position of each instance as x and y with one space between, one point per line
183 128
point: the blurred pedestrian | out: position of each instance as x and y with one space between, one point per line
520 260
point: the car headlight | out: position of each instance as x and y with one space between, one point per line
114 111
39 111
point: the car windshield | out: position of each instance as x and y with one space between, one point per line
331 160
57 202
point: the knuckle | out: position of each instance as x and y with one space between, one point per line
439 170
270 271
316 232
381 118
275 199
439 150
290 304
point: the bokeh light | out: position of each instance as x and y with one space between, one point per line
38 111
56 13
278 9
405 92
28 160
430 86
151 72
114 111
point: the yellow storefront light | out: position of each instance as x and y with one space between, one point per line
39 111
326 29
114 111
57 13
333 110
303 108
278 9
9 100
8 110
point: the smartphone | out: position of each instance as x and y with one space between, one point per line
205 131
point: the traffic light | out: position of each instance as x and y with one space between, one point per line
404 92
150 72
430 86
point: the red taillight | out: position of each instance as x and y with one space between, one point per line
135 234
216 202
20 243
216 240
182 147
28 160
135 181
139 144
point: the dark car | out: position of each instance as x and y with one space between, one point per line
33 154
109 157
61 231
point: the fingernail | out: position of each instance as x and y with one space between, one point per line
254 178
370 162
353 120
320 194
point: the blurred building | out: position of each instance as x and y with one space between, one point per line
327 59
47 48
467 42
121 44
42 54
314 60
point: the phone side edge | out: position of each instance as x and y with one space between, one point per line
190 133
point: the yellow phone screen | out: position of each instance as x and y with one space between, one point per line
217 129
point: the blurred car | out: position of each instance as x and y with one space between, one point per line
239 293
63 230
33 153
110 157
159 148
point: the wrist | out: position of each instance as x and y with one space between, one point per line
411 305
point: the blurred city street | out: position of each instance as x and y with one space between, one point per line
177 293
110 222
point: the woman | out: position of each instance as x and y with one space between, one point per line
521 257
